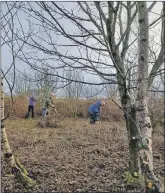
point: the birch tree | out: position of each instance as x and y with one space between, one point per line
16 168
99 38
145 157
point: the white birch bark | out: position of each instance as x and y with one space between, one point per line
142 116
16 168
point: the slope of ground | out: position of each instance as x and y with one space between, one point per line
66 107
75 156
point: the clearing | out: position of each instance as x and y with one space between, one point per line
76 156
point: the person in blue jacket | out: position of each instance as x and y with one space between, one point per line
94 111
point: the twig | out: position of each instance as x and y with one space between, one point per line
159 167
125 112
5 117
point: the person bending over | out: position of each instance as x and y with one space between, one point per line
94 111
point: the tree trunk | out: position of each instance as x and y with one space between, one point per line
133 133
137 119
17 169
143 120
130 118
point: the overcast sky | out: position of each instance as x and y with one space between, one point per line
6 51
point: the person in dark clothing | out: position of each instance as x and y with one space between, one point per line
31 105
30 109
94 111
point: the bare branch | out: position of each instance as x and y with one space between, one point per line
97 4
151 6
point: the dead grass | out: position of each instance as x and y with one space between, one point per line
65 107
75 156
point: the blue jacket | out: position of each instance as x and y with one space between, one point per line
95 108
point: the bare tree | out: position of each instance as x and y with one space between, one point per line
92 92
8 29
22 83
145 158
100 39
73 89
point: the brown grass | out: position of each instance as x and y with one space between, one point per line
66 107
75 156
156 109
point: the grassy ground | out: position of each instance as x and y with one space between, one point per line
75 156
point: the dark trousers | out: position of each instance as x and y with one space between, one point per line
30 108
93 117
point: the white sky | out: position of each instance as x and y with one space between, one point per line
6 53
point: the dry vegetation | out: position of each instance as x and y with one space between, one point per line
65 107
74 156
